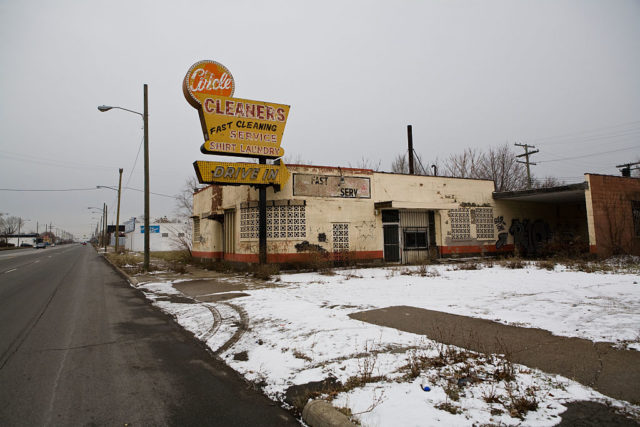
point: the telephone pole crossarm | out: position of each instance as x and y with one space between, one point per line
526 155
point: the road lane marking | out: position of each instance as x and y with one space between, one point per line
9 271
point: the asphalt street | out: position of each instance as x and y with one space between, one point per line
79 346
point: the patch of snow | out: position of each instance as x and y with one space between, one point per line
300 331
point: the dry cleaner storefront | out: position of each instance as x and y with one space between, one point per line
359 213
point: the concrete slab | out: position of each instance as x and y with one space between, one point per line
613 372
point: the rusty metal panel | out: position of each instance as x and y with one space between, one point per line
414 219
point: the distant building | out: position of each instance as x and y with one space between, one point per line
21 239
164 236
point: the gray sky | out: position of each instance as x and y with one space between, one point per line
562 75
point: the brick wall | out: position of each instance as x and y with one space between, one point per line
611 198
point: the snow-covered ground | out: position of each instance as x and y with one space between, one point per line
299 331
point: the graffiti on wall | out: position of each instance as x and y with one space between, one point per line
528 236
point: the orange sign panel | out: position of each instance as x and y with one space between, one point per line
243 127
240 173
206 78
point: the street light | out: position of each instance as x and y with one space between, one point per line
145 119
104 225
118 190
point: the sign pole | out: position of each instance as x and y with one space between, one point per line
262 214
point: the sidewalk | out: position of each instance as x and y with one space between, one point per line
615 373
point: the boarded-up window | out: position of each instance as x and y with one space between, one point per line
415 238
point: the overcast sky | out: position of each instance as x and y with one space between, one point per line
561 75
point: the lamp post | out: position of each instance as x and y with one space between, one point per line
101 224
118 209
145 119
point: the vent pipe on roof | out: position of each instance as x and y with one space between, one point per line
410 137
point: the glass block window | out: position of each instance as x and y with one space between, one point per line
340 237
484 223
460 224
249 223
283 222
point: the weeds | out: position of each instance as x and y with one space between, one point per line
490 395
265 271
449 407
469 266
520 403
514 263
300 355
547 265
452 391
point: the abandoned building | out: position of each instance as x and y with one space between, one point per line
336 212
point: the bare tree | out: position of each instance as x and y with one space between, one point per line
500 165
547 182
184 209
366 163
468 164
184 199
296 159
9 225
400 164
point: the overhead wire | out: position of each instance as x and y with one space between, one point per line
577 133
587 155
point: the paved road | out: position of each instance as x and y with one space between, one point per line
79 346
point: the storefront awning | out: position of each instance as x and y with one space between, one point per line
572 193
396 204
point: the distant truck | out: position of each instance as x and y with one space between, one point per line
40 244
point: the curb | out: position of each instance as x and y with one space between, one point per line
133 281
320 413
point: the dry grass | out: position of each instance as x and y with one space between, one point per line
265 271
300 355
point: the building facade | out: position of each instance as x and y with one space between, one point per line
358 213
163 237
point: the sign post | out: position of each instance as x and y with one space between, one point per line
237 127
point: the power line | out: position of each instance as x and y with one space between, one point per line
588 155
59 189
135 162
84 189
585 131
49 162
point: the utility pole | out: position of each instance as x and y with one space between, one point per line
526 154
104 230
145 119
625 169
410 138
118 214
262 219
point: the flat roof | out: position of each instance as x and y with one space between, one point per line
571 193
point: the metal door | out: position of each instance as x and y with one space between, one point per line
391 243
